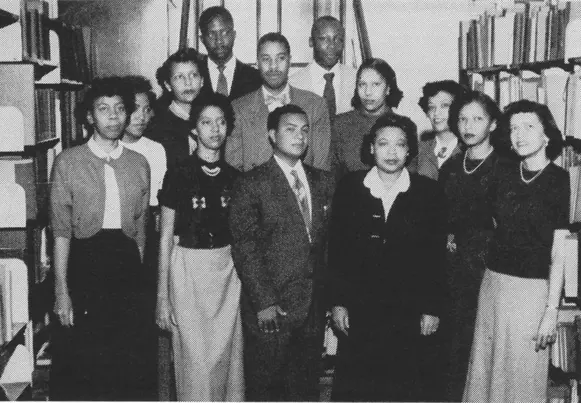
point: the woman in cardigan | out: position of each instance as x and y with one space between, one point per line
386 256
376 93
466 179
521 288
198 288
99 206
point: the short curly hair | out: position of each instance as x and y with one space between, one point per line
390 120
552 131
187 55
434 87
213 99
141 85
393 98
106 87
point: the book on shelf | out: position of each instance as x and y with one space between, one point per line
533 31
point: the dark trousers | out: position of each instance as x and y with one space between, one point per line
283 366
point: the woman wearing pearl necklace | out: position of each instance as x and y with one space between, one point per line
521 288
466 180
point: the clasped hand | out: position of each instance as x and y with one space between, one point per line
269 319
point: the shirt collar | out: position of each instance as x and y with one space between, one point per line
285 93
286 168
378 190
230 65
318 71
449 147
98 151
179 111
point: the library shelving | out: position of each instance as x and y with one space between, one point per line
43 67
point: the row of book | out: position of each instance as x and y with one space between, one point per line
530 32
72 131
35 27
564 351
45 105
73 55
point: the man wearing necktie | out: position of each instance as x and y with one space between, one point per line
222 72
278 218
325 75
248 145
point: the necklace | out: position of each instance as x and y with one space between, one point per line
477 166
527 181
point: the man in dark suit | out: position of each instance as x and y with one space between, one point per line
248 145
278 219
222 72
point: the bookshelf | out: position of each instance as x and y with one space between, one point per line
43 67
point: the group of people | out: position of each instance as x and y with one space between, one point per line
243 206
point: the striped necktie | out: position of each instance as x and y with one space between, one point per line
301 194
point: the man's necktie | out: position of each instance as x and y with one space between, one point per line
301 195
222 87
329 94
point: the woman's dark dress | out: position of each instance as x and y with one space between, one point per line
387 274
470 221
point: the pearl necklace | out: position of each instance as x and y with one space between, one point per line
477 166
527 181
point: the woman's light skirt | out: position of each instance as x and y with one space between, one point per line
504 366
207 342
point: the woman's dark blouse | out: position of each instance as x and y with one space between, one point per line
469 212
200 202
526 216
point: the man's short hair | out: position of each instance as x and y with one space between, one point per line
324 18
211 13
273 37
275 116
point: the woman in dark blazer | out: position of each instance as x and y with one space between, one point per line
386 257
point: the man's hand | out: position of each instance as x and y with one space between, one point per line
268 319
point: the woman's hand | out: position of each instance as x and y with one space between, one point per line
163 315
429 324
340 317
63 309
547 333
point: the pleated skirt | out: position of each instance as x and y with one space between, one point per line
504 366
207 341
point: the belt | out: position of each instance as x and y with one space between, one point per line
208 242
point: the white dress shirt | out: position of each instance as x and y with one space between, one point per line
298 167
112 214
318 79
229 68
449 149
378 190
154 153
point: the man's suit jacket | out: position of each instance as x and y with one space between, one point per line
271 249
426 162
249 146
246 79
344 87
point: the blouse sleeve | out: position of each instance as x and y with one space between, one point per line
61 199
168 195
